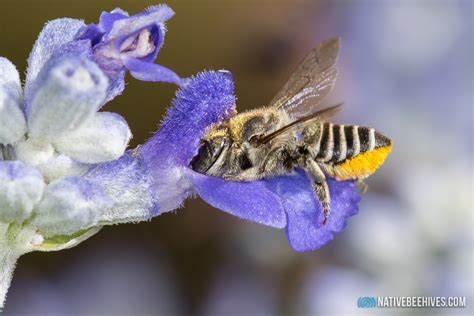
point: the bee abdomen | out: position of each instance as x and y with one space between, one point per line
341 142
366 151
325 144
370 139
332 145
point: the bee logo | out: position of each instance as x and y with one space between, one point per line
293 132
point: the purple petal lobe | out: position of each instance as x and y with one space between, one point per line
304 213
90 32
150 72
207 98
125 27
248 200
107 19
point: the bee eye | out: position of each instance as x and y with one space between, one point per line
207 155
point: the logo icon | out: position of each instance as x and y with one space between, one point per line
366 302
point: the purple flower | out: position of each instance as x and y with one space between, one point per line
57 147
282 202
121 42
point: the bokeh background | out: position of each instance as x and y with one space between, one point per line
406 68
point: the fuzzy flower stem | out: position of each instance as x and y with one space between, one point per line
7 264
8 258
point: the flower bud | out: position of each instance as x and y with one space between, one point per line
105 137
12 120
72 91
21 187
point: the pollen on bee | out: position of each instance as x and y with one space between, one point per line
362 165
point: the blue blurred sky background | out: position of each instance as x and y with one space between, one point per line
406 69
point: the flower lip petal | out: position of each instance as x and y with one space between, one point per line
145 71
248 200
305 230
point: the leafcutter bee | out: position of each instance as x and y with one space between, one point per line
293 132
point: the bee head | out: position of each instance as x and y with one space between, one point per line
210 158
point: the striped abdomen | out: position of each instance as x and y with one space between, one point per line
349 151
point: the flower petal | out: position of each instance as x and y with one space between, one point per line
60 166
154 15
34 153
21 188
248 200
116 84
305 230
146 71
10 80
72 91
12 119
107 19
208 98
105 137
139 36
54 34
127 182
170 185
69 205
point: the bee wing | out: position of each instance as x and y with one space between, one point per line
311 82
301 123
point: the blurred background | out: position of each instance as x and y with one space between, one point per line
406 68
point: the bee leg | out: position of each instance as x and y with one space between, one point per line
245 175
234 156
276 163
320 186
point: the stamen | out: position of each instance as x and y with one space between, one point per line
140 45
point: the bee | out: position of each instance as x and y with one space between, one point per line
293 132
